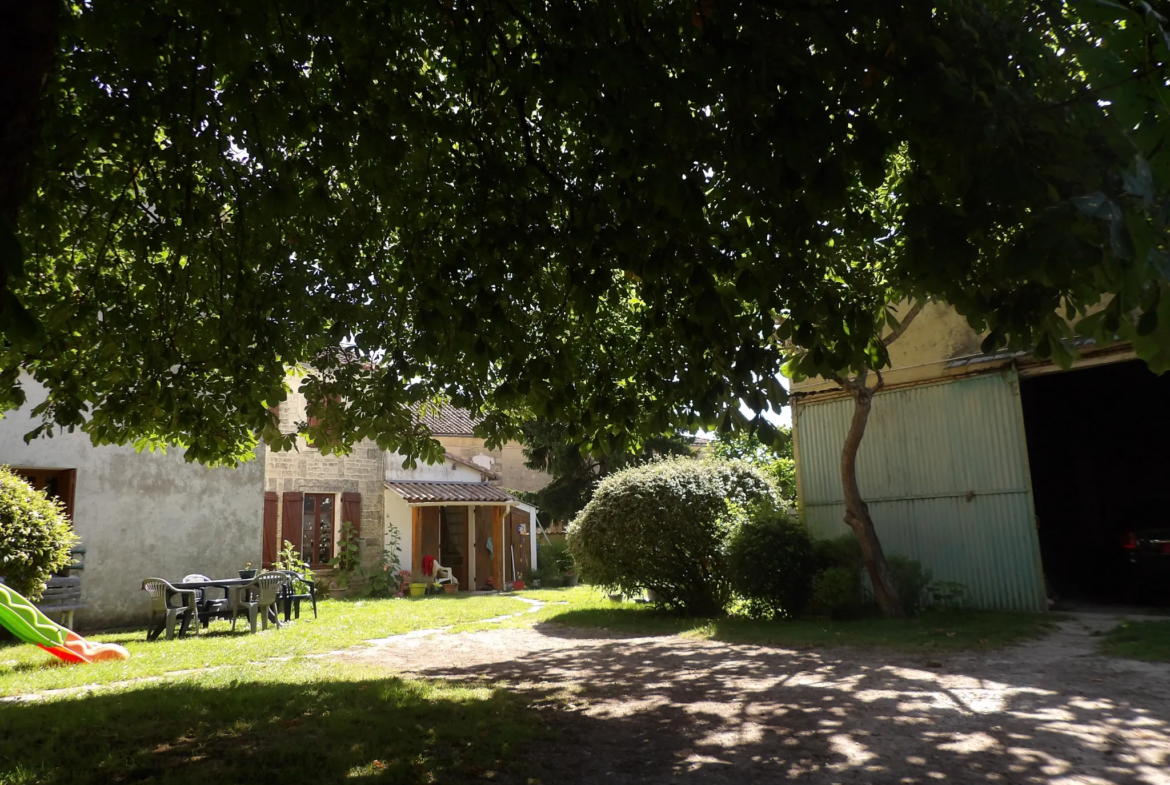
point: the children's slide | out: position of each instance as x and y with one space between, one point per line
31 626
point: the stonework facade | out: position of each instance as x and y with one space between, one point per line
306 470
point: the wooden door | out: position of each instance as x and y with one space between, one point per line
519 532
428 541
453 542
483 559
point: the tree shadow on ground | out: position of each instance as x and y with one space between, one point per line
683 710
378 730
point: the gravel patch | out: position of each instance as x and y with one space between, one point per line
623 709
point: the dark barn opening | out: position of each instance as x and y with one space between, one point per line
1099 456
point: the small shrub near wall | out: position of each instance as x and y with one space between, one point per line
841 589
35 536
772 564
665 526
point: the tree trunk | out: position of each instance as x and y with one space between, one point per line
28 44
857 511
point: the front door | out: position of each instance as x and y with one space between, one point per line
453 542
484 567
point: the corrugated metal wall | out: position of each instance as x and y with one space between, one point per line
944 470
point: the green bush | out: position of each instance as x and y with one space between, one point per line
848 597
555 557
772 564
837 593
35 536
665 526
911 580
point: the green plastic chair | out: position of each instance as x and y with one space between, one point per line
168 606
266 590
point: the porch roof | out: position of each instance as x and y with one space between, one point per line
433 492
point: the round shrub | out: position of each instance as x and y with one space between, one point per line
665 526
772 564
35 536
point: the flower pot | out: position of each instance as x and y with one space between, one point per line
518 585
418 589
450 588
616 597
247 573
337 594
570 579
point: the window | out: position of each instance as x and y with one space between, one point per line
317 529
56 483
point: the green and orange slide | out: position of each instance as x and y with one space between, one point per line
31 626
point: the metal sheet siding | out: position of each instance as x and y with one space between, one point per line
944 470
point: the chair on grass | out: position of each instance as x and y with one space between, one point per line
209 607
169 605
266 590
291 599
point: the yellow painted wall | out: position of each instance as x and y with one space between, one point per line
938 336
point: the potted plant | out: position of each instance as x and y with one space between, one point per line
570 578
345 563
248 571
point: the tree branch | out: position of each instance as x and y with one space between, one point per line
896 334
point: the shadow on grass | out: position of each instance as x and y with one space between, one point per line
385 730
934 630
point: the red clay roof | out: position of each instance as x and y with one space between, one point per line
436 492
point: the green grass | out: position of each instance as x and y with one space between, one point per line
27 669
1139 640
298 722
939 631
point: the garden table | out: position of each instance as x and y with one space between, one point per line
231 586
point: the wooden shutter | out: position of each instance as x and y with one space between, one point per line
351 510
430 532
270 547
290 519
520 542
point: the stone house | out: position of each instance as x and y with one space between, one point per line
1002 472
457 511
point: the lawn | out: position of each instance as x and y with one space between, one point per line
941 631
254 708
251 708
26 669
1139 640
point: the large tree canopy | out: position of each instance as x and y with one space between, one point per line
615 215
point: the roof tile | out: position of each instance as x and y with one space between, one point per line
421 492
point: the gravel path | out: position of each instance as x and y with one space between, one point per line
671 709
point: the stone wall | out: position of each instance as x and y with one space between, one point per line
305 469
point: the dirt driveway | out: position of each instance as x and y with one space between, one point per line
670 709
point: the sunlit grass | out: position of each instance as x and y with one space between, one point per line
1139 640
25 669
587 607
